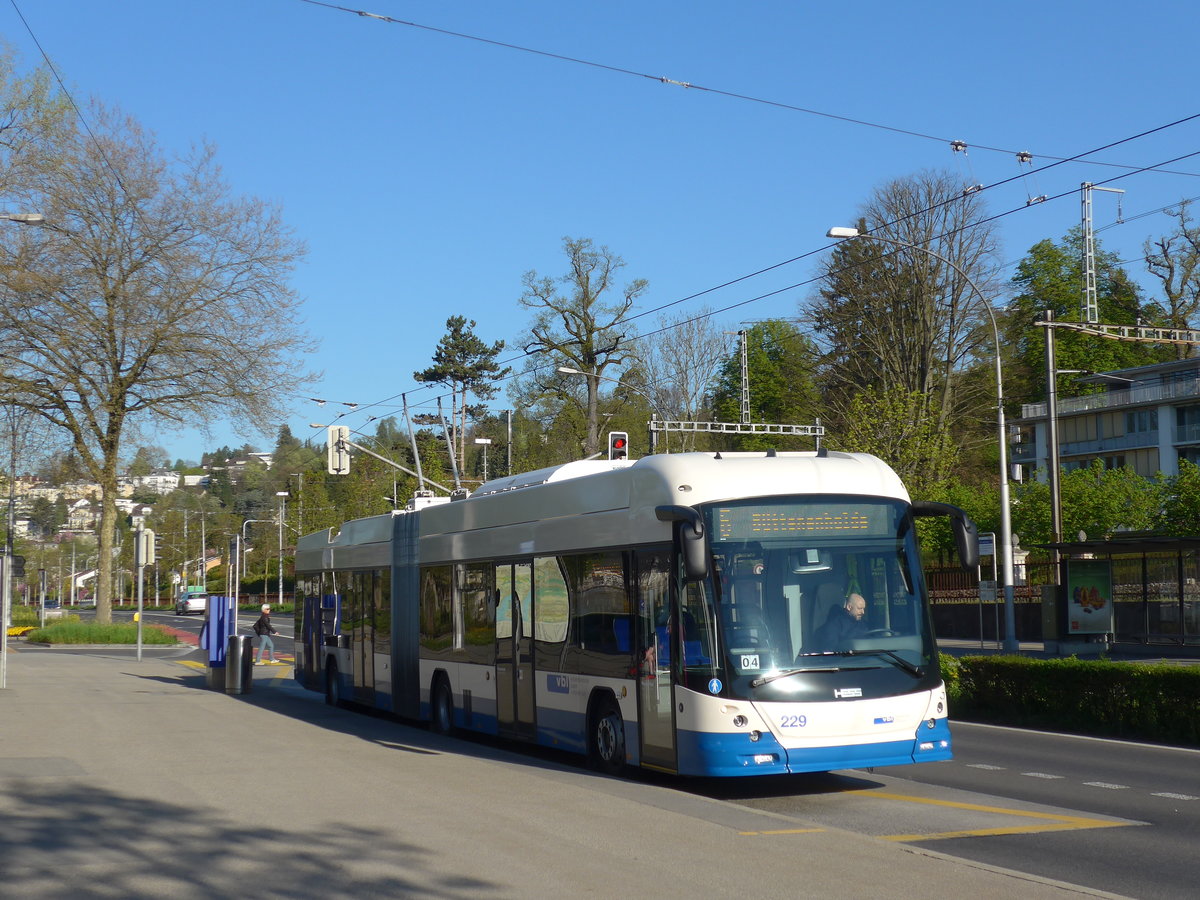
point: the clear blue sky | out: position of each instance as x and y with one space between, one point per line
428 172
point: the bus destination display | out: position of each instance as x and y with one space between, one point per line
753 521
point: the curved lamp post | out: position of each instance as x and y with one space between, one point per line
1006 549
567 370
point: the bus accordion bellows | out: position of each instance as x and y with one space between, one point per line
691 613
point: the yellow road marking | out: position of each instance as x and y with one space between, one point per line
1053 821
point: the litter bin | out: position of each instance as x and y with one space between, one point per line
239 664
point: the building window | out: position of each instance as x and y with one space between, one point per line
1141 421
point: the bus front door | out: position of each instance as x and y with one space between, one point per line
514 650
655 690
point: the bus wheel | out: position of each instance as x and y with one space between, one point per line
333 685
441 717
608 738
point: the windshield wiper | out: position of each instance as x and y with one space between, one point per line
775 676
895 658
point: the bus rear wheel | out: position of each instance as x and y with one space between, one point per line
441 716
607 740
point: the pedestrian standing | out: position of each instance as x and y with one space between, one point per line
262 628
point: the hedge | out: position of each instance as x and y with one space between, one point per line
1152 702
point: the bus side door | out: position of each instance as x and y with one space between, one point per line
655 632
514 649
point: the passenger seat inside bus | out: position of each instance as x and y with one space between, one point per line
829 596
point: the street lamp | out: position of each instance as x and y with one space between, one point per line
567 370
1006 548
282 495
24 218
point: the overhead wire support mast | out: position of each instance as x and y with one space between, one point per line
343 442
1090 311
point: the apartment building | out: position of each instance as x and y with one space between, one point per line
1147 418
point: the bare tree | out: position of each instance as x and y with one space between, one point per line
152 298
681 361
581 327
1175 260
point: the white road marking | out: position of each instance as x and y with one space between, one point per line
1041 775
1107 786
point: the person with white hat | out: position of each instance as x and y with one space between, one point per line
263 629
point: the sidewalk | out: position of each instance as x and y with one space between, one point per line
131 779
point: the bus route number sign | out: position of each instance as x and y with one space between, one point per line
749 661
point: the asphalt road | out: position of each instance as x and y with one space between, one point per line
1113 816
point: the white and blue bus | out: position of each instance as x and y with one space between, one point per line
666 612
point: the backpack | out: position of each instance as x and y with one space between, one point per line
258 628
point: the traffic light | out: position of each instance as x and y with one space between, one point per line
18 567
618 445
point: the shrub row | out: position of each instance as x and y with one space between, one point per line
1151 702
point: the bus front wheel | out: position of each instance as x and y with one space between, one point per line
608 738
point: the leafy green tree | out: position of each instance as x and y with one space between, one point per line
1102 502
894 425
1180 513
466 365
1050 278
147 460
781 363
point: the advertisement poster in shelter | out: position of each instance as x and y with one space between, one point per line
1089 596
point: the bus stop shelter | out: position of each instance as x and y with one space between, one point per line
1132 590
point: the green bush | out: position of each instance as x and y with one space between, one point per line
1132 700
24 615
76 632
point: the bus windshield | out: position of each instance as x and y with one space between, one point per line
812 584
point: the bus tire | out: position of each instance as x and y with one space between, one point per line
333 684
441 712
606 741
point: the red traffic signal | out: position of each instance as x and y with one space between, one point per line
618 445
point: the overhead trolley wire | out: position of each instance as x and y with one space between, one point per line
956 145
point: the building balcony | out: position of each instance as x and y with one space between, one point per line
1142 395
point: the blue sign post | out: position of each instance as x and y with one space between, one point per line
220 621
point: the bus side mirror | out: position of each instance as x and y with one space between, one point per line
966 535
690 536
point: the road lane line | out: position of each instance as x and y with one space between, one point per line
1050 821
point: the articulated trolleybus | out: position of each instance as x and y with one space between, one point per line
683 612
